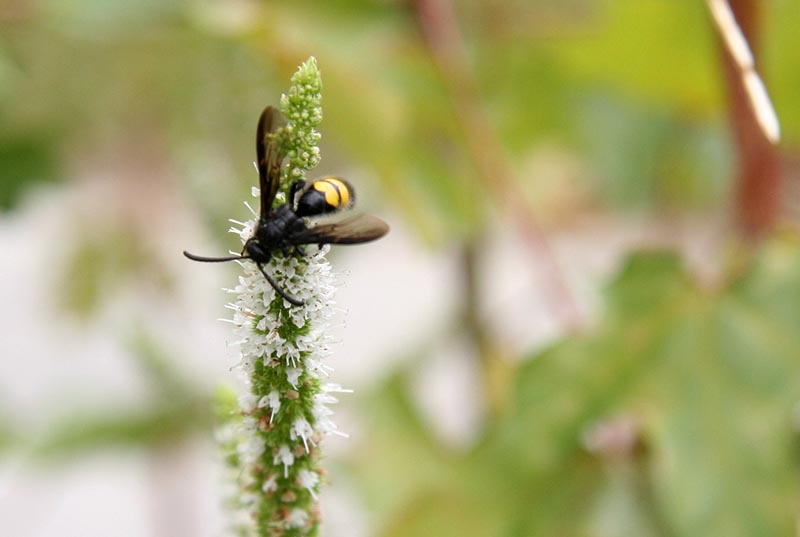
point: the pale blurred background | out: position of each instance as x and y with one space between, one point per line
520 151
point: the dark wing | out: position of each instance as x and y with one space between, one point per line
353 230
269 158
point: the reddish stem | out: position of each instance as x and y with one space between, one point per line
759 180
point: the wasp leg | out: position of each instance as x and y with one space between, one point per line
300 250
296 187
205 259
278 290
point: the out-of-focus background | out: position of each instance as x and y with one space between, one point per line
583 322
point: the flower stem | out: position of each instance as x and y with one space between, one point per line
274 447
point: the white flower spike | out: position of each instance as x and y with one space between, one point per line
272 441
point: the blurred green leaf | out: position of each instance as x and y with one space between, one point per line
624 505
400 458
780 65
655 50
159 365
8 435
24 161
175 410
440 513
165 421
103 261
711 379
668 161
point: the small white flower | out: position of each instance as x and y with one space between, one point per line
249 499
226 434
284 457
249 424
247 402
250 449
293 375
271 484
297 518
301 429
335 388
292 356
325 399
273 401
308 480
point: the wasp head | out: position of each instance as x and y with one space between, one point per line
256 252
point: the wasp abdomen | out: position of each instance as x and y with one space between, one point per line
325 195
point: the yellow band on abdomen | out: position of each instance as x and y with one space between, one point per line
336 192
344 192
331 193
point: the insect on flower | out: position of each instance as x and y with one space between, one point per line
285 228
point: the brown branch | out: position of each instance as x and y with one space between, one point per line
758 183
441 35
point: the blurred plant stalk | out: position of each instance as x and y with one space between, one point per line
444 41
755 127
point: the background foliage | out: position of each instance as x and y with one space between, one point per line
669 408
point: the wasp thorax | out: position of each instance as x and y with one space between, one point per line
326 195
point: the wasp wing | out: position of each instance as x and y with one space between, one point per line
353 230
269 157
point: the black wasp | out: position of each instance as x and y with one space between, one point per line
284 228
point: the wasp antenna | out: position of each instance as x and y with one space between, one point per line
203 259
278 290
